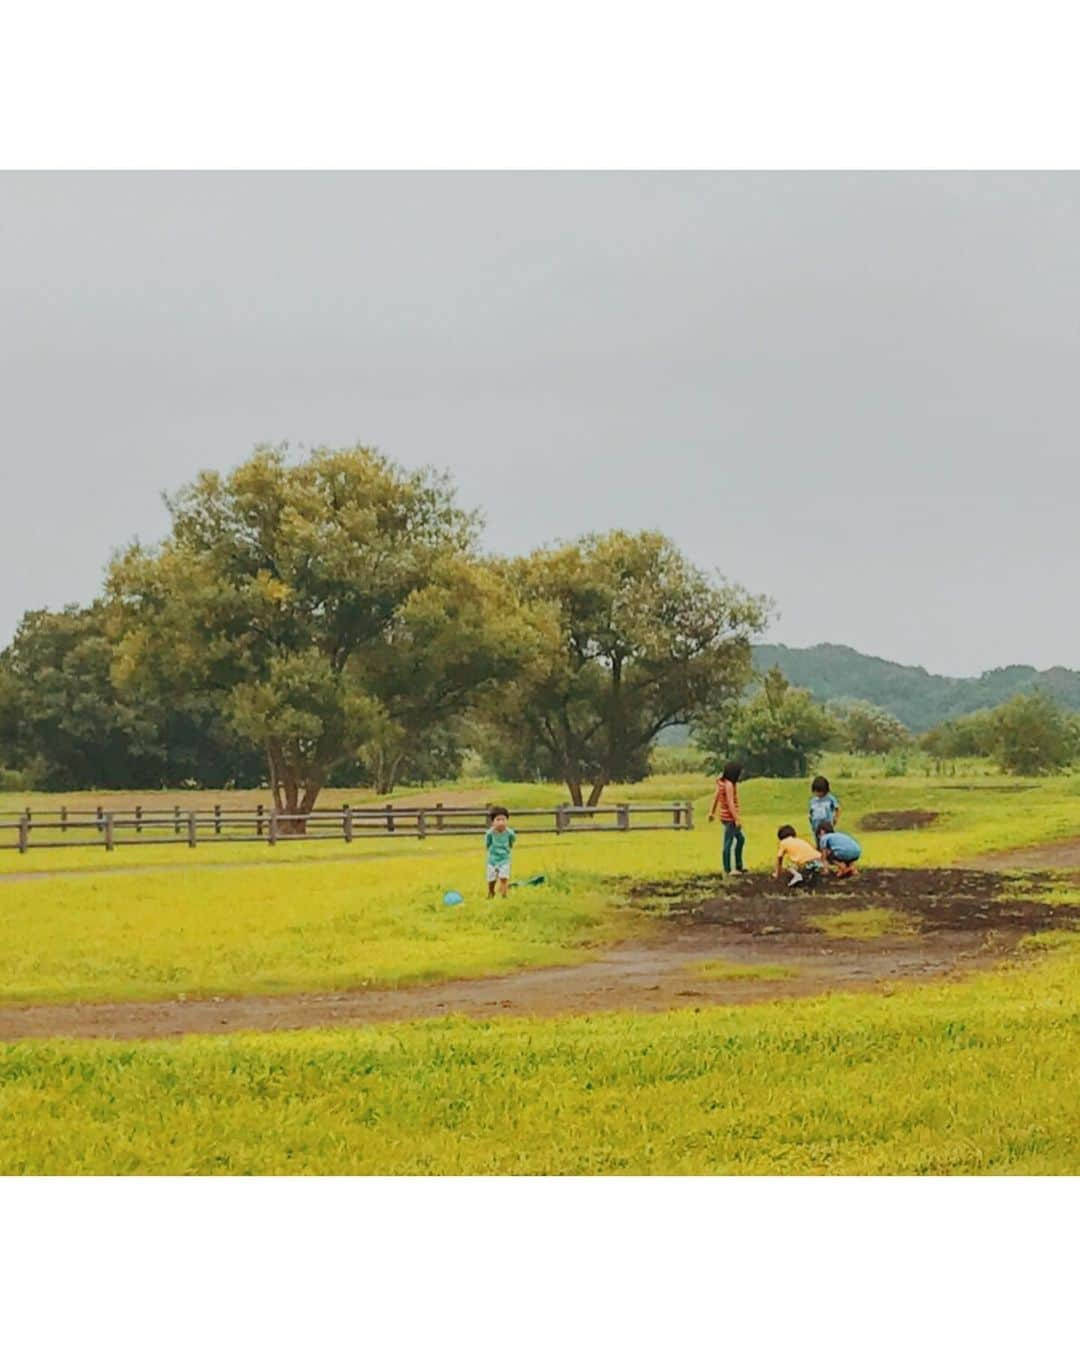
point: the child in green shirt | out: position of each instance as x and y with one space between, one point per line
499 841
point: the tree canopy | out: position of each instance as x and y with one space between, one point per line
641 640
780 731
322 601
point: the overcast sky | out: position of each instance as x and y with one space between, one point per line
856 393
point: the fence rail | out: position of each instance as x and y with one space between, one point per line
38 828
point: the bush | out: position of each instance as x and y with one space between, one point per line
1034 736
972 735
868 729
13 781
779 732
675 760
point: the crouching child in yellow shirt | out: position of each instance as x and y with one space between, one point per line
798 857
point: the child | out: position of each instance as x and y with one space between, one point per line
838 850
499 841
798 857
824 805
726 800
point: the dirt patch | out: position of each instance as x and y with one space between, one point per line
961 919
937 899
897 822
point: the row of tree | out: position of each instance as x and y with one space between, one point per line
333 619
783 731
1029 735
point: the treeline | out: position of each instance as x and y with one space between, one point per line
918 699
781 730
333 621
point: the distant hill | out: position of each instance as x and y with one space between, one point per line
917 698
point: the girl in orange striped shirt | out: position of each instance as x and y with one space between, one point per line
726 803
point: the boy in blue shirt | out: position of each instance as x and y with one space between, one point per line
499 841
838 850
824 806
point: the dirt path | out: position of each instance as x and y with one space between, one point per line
952 922
655 976
1063 856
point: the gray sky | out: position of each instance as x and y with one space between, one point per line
854 392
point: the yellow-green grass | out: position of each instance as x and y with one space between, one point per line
980 1077
721 969
264 930
872 923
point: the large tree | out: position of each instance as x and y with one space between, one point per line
643 640
323 600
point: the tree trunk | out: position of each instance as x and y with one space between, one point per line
290 788
275 779
596 791
311 793
574 786
386 774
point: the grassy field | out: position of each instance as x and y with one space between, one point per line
242 919
981 1076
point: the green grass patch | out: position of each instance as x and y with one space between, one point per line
873 923
720 969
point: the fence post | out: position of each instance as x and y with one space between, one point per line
100 815
138 817
560 819
217 820
259 821
110 839
421 824
63 817
389 817
622 817
271 830
24 833
688 813
676 815
191 826
438 818
346 821
176 819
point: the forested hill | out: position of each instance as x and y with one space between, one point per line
917 698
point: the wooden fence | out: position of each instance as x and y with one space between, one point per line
191 827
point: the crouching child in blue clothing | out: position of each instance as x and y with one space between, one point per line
499 842
838 850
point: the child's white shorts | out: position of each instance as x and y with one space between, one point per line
497 872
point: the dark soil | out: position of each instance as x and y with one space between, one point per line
897 822
935 899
